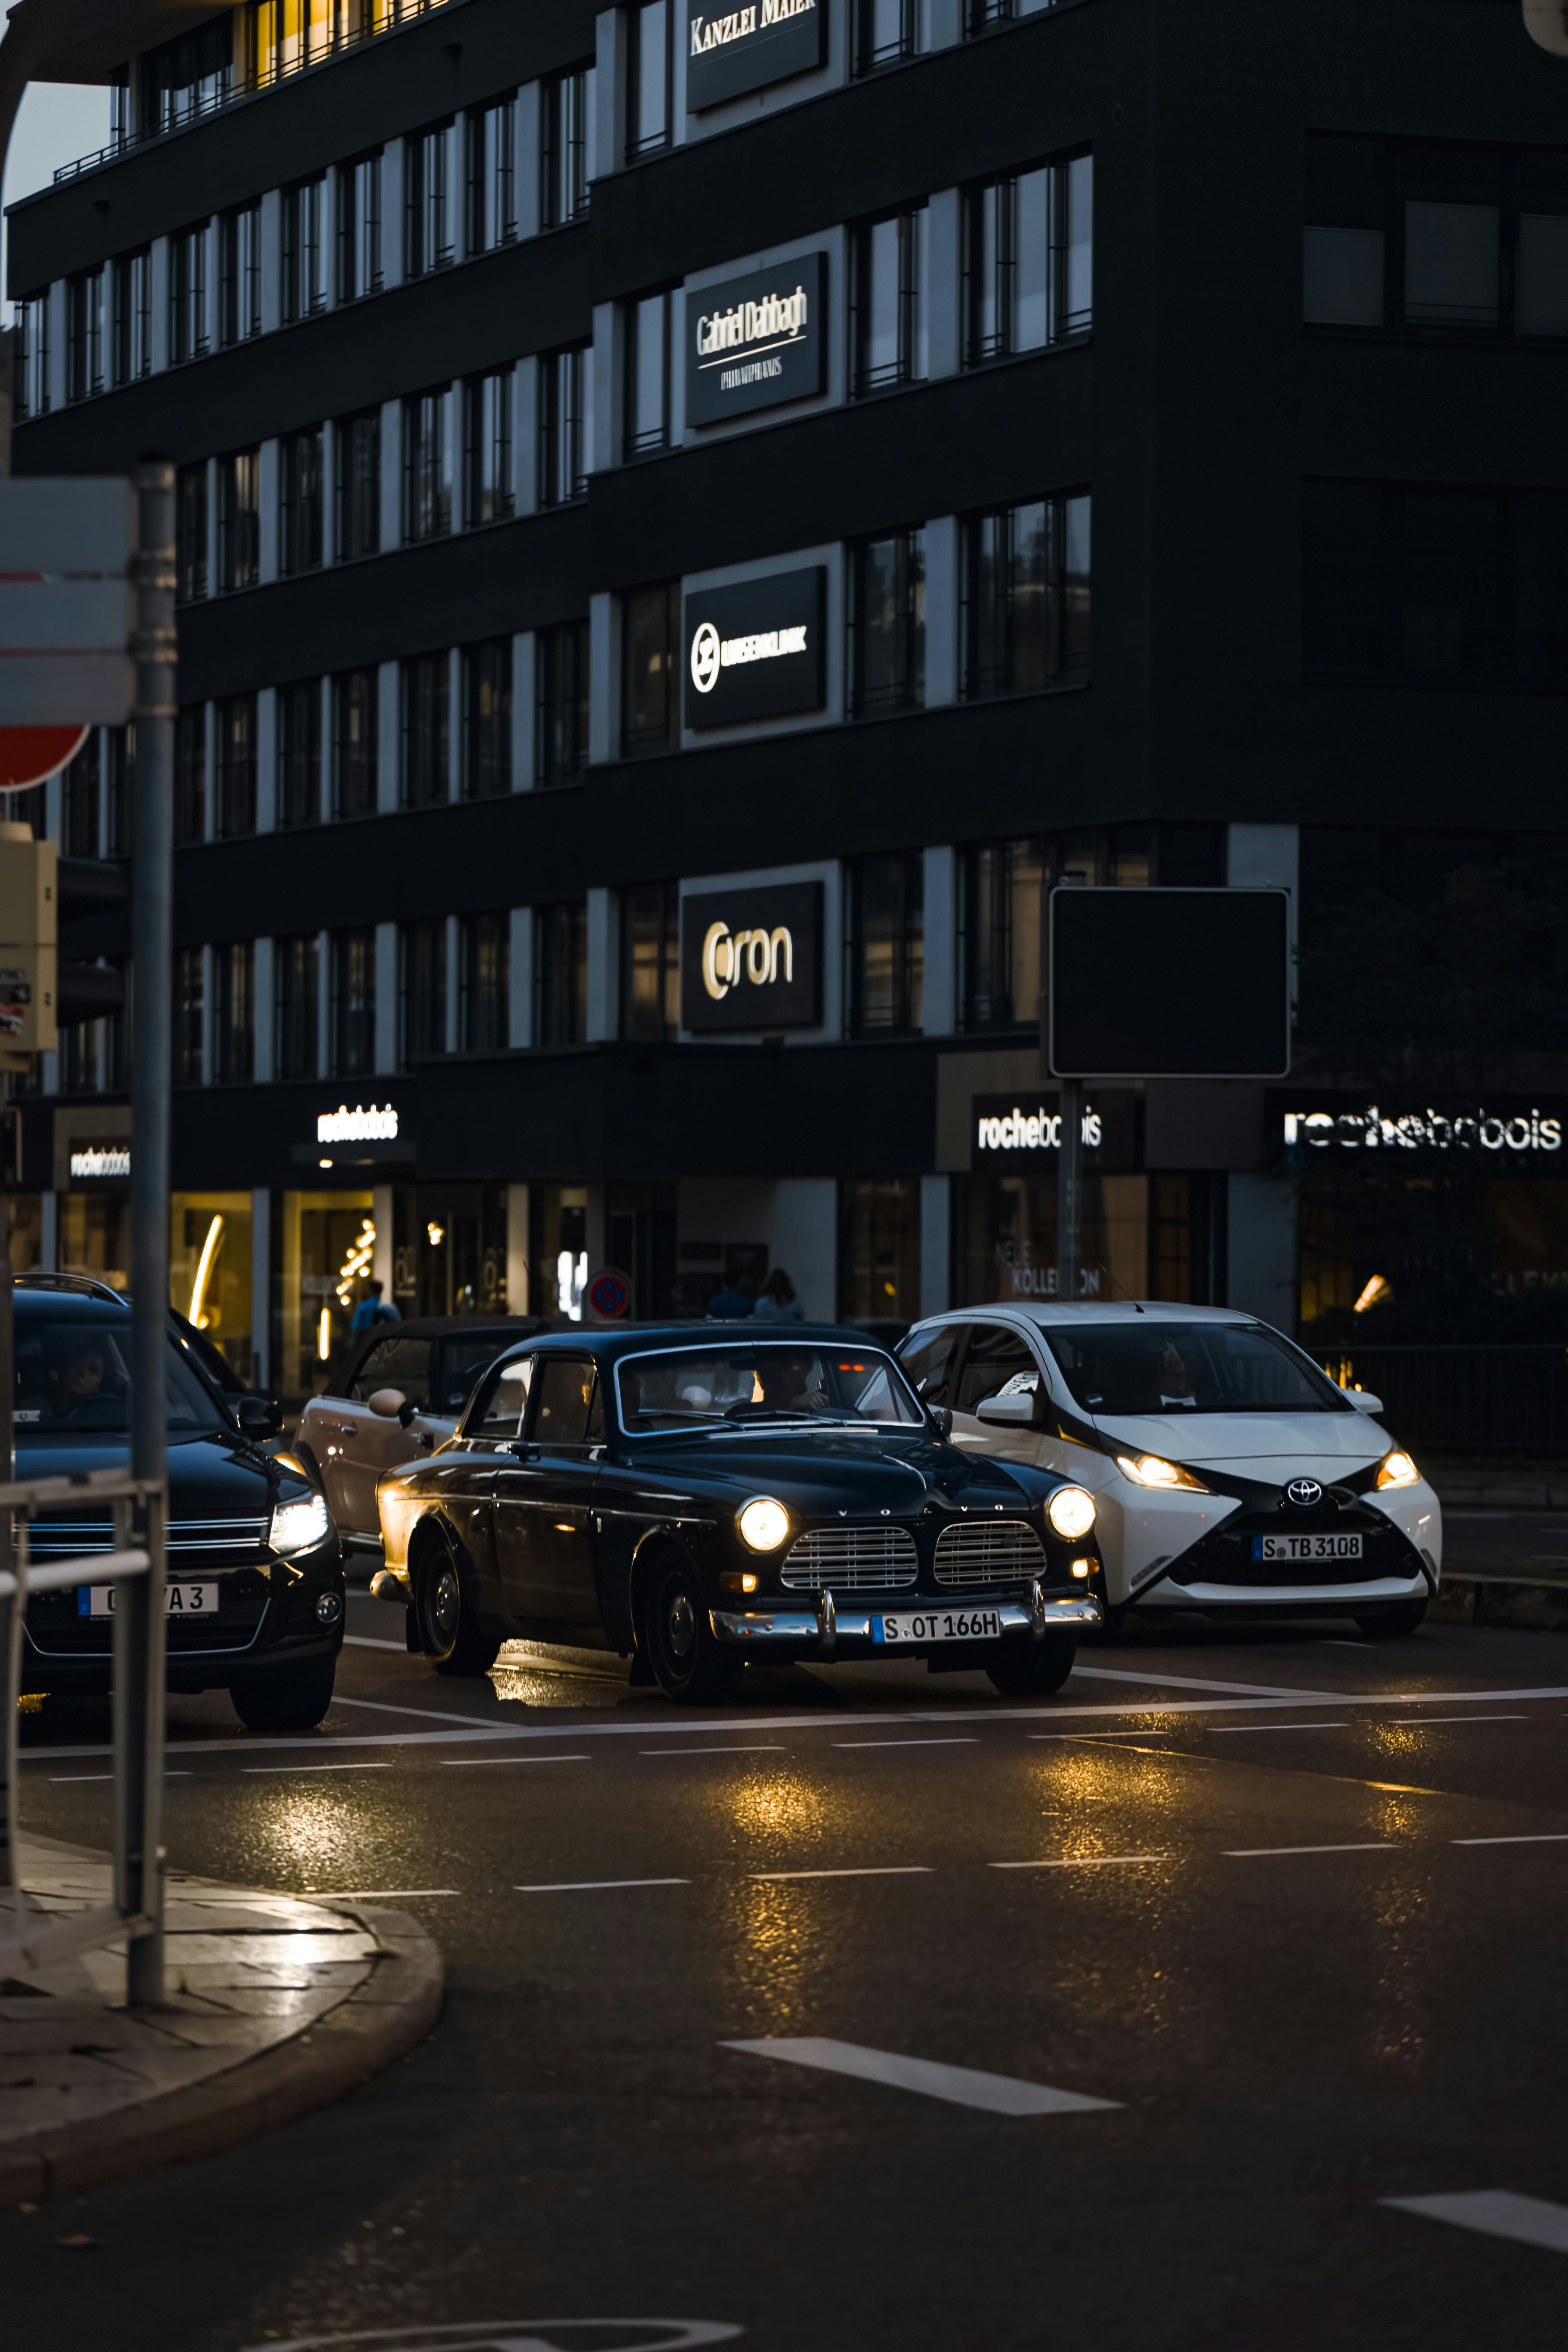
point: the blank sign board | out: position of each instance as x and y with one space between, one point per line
1169 983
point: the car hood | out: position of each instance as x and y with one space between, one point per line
1340 1442
210 1476
822 1476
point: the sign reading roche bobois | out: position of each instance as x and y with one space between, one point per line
730 51
755 650
755 340
752 959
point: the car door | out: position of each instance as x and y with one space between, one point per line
930 1359
369 1443
325 1423
996 1357
545 1538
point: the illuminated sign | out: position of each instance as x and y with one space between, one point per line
757 339
96 1162
755 651
357 1126
1374 1129
1020 1131
752 959
1023 1132
745 48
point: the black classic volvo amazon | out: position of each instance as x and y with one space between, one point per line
254 1573
699 1496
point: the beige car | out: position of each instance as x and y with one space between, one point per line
395 1392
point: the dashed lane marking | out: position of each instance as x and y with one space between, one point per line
377 1894
1534 1837
1198 1682
374 1642
1426 1722
1234 1730
591 1885
1496 2213
360 1767
1259 1853
427 1714
884 1870
1080 1861
961 2087
64 1780
763 1747
467 1763
968 1740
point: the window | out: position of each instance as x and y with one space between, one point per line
300 753
190 1017
421 991
353 1005
239 518
1426 586
239 275
888 328
304 250
650 962
487 719
359 228
78 1057
302 492
426 228
190 774
236 746
295 963
355 701
191 533
993 1357
885 31
188 294
133 316
396 1363
31 379
566 150
930 1366
1002 914
234 1013
878 1249
565 407
188 77
1026 598
427 694
483 1024
885 943
121 779
888 624
982 14
651 628
79 792
358 440
486 447
428 465
87 334
648 104
1029 260
647 375
561 656
561 974
490 134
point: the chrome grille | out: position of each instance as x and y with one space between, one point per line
989 1551
51 1538
852 1559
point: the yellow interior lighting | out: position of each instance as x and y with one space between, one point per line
204 1270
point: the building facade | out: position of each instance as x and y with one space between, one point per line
690 526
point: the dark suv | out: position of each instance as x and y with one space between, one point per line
256 1587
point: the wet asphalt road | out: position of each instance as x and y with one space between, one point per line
1294 1907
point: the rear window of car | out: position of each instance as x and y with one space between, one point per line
1148 1367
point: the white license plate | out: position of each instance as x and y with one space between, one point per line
1306 1547
937 1625
179 1600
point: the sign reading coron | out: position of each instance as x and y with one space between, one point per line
357 1126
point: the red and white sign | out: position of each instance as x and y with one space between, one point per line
609 1295
29 754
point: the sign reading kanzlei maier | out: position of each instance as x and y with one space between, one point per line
755 340
752 959
755 650
736 50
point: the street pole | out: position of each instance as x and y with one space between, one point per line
140 1632
1069 1192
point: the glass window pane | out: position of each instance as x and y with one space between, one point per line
1030 324
1451 264
1542 295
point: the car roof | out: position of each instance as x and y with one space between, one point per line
644 1338
38 1298
441 1327
1119 1310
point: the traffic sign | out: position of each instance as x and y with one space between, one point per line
66 601
610 1294
29 754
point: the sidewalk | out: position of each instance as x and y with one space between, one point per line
1531 1487
275 2006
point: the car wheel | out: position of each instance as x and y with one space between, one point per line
295 1701
1031 1669
688 1665
1393 1624
449 1633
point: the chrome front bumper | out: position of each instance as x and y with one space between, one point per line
824 1627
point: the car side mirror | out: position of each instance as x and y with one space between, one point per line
388 1403
1364 1400
258 1416
1014 1412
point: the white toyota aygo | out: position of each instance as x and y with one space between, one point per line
1229 1473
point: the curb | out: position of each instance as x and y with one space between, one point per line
379 2022
1528 1604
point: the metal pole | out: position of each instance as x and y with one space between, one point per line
141 1637
1069 1192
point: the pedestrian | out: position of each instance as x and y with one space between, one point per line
778 1303
373 1308
729 1302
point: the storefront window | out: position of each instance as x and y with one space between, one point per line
94 1236
1004 1231
878 1249
210 1270
326 1247
450 1243
558 1249
26 1231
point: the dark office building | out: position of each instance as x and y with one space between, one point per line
690 526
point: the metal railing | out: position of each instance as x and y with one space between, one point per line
1463 1400
32 1938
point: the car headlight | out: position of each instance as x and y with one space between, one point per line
1071 1513
1153 1470
296 1526
1398 1470
765 1523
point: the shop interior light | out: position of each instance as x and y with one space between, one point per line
324 1335
204 1270
1375 1291
435 1234
1153 1470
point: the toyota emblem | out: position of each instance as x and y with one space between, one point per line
1303 1492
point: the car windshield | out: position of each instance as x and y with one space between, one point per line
1145 1367
74 1376
461 1361
748 1381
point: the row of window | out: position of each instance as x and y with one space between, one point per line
244 49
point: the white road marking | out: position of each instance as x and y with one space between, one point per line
424 1714
961 2087
377 1894
965 1740
1198 1682
1342 1642
1078 1861
1496 2213
1234 1730
467 1763
64 1780
1423 1722
588 1886
763 1747
886 1870
374 1642
358 1767
1535 1837
1254 1853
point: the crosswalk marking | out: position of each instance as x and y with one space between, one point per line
962 2086
1496 2213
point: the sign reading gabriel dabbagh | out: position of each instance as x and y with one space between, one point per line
754 651
756 340
752 959
731 50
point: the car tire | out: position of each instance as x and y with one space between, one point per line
1395 1623
690 1664
293 1701
450 1635
1031 1669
